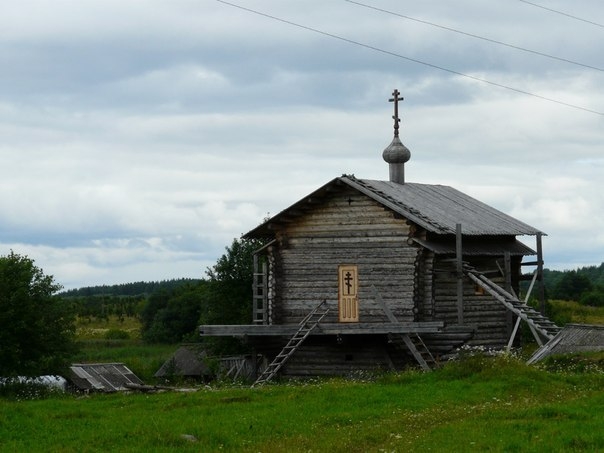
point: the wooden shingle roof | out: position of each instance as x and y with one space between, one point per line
436 208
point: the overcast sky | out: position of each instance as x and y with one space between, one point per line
139 138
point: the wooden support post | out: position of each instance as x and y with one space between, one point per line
507 275
513 335
541 287
254 363
507 266
459 269
530 288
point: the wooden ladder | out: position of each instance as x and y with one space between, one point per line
306 326
407 341
414 343
539 324
260 288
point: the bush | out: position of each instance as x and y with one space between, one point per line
116 334
593 298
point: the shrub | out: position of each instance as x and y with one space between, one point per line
116 334
593 298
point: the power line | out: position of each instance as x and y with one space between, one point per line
397 55
563 13
494 41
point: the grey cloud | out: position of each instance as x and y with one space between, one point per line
138 141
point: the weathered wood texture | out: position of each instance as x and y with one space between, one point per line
348 228
424 293
349 356
336 328
479 308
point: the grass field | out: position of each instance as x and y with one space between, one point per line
577 313
96 344
479 404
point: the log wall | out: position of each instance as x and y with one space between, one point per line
348 228
479 309
348 357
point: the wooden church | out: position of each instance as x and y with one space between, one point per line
364 274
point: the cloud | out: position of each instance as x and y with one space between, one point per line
140 139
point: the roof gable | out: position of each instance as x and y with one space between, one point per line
436 208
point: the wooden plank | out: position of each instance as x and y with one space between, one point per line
458 269
321 329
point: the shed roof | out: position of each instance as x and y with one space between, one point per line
436 208
572 338
102 377
186 361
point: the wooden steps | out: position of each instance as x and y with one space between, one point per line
306 327
540 325
414 344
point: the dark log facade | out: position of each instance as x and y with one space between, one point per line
348 228
398 240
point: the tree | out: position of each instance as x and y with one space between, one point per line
229 298
594 298
37 328
172 316
232 278
572 286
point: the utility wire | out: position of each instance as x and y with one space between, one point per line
397 55
494 41
562 13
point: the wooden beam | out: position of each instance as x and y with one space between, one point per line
541 287
385 307
263 330
459 269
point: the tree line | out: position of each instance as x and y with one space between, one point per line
127 289
584 285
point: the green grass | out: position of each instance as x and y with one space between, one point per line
577 313
479 404
142 358
96 329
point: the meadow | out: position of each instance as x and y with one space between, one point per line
480 403
477 403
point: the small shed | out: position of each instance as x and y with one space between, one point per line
192 362
101 377
187 362
363 274
573 338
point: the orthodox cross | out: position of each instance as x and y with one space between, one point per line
395 98
348 281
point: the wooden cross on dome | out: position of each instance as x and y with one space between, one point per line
395 98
